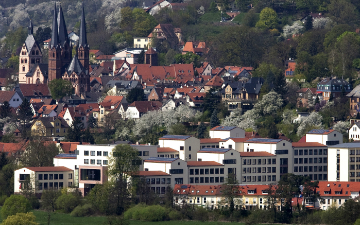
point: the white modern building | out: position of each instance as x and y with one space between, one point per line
42 178
187 146
226 132
325 137
345 162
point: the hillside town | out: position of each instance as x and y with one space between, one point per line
169 121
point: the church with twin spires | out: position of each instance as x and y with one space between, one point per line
61 64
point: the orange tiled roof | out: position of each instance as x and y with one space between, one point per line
210 140
341 188
165 149
49 169
307 144
216 81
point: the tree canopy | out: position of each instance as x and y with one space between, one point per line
60 88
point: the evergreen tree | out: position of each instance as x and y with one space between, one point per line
141 59
280 84
88 136
317 100
25 114
214 121
201 130
5 110
213 7
92 122
309 23
75 131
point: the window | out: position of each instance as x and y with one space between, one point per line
86 161
189 156
229 161
51 176
98 153
105 162
105 153
61 176
56 176
92 153
86 153
189 148
70 176
92 161
40 176
145 153
181 147
45 176
98 162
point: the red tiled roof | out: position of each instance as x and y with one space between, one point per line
255 154
12 147
307 144
197 97
104 57
203 163
36 100
165 149
145 106
197 189
210 140
46 109
39 90
216 81
93 51
152 173
70 146
49 169
345 187
6 96
303 139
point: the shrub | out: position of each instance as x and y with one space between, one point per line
21 219
15 204
153 213
134 212
201 214
67 202
81 211
174 215
34 202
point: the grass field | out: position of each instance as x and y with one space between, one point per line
66 219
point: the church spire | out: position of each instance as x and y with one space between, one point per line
54 37
63 35
30 28
82 38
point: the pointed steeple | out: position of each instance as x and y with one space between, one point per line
54 37
30 28
63 35
82 38
75 66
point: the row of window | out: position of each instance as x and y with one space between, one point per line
169 155
211 146
207 171
52 185
352 159
259 178
310 169
53 176
98 162
203 180
98 153
310 160
310 152
259 161
259 170
158 180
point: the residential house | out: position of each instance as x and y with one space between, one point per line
42 178
196 47
238 72
71 113
182 92
13 149
141 42
12 97
290 69
204 70
354 96
166 32
215 82
237 94
49 127
104 58
47 111
226 132
325 137
333 87
171 104
354 132
121 87
108 105
156 94
304 95
195 99
30 91
138 108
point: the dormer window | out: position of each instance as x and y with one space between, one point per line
251 191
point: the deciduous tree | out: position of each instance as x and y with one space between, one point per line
268 19
60 88
39 153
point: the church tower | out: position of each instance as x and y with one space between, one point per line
55 63
83 47
65 45
30 55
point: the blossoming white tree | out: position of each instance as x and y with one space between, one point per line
314 120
